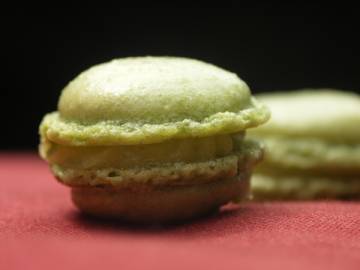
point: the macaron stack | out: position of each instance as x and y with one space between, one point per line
312 146
153 139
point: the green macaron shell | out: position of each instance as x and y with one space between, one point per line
311 155
146 100
328 114
61 131
303 187
312 146
152 90
241 161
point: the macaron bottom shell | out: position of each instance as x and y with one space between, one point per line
160 204
303 187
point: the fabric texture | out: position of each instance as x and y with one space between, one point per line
41 229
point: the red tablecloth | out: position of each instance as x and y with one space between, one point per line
40 229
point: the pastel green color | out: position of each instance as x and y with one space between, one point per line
327 114
303 187
311 155
312 146
144 100
174 173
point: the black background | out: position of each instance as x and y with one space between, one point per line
270 47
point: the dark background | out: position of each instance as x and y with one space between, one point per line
270 47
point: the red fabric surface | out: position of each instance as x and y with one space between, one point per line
40 229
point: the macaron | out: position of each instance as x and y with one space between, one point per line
312 146
153 139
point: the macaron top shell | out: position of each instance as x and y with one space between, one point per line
322 113
146 100
152 90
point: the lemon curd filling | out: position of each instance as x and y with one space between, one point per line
129 156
